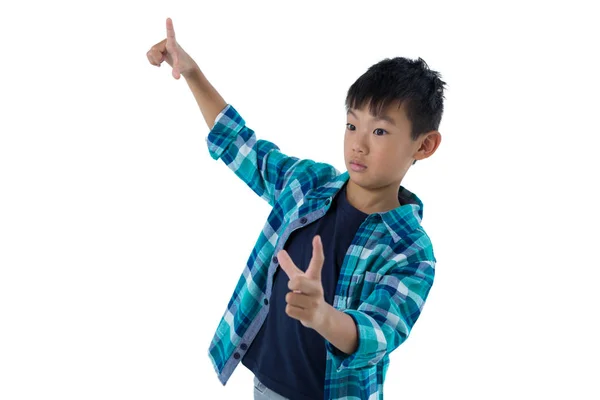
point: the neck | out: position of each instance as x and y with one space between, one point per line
372 200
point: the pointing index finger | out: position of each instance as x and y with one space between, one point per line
316 262
170 31
172 47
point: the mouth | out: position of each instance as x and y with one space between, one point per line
356 167
357 164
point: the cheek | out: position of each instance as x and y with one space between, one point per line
347 144
388 156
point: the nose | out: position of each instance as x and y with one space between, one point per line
358 145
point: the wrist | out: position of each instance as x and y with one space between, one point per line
193 74
327 320
339 329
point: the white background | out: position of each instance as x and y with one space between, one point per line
121 239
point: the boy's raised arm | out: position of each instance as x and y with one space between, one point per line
209 100
259 163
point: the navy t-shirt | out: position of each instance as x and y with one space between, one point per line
286 356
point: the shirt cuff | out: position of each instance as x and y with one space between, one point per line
226 128
372 344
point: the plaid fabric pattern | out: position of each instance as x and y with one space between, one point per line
387 273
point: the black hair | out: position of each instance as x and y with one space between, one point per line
408 82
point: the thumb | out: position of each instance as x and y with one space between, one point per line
318 258
288 266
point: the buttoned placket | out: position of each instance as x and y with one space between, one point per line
243 346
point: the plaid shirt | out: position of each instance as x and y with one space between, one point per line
384 281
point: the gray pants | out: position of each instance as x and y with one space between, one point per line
261 392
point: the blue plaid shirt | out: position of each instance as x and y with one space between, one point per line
384 281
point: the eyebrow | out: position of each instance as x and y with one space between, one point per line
378 118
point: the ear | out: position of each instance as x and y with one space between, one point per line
429 144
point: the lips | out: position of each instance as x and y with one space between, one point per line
357 163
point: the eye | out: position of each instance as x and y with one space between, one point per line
350 127
379 129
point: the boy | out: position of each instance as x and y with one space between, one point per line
357 265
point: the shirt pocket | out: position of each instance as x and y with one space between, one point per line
361 287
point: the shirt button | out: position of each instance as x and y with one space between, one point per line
266 302
236 356
327 202
303 220
275 260
243 346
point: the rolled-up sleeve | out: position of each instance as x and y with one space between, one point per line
258 162
385 318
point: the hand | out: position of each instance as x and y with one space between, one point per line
306 301
169 50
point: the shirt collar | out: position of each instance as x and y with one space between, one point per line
399 221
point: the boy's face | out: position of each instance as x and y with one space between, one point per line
383 144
